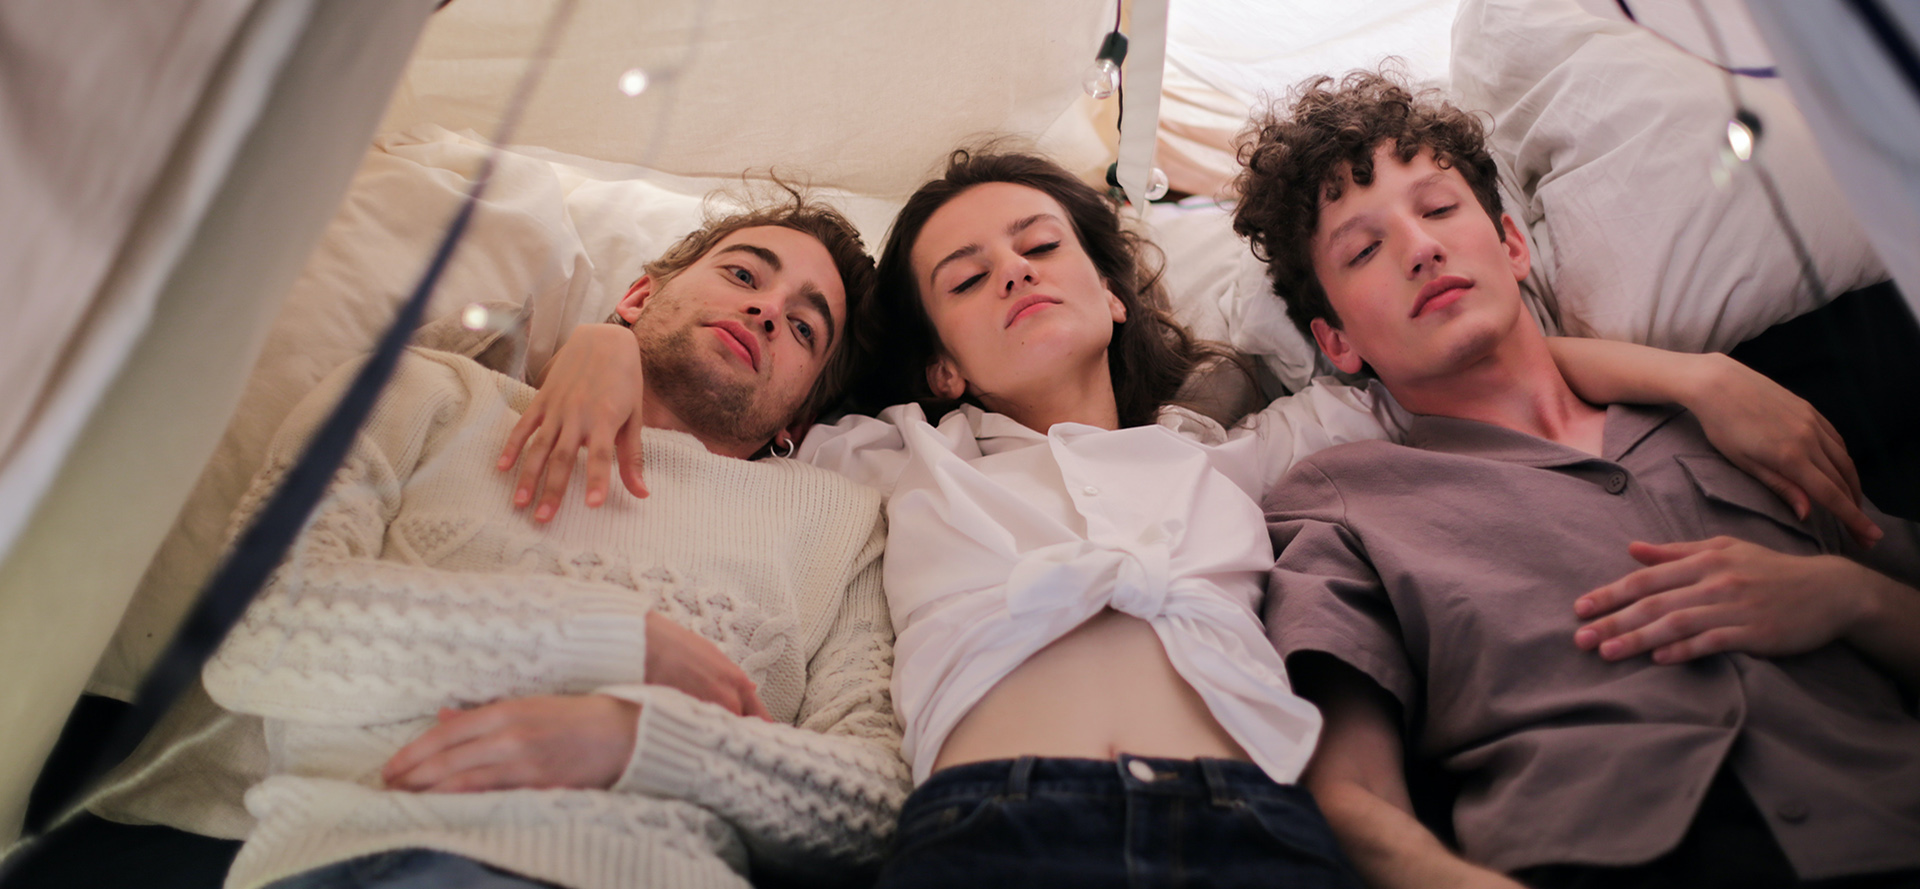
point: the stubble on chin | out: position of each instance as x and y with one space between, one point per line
715 406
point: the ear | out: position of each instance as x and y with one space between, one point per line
791 435
1518 257
636 296
1115 307
944 378
1338 348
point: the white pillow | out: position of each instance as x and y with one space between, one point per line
1611 137
1221 292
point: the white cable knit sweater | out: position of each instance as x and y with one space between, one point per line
416 587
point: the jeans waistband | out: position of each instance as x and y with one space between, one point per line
1219 781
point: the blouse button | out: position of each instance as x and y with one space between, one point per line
1793 811
1616 482
1090 491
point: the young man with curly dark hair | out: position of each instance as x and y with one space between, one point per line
1640 666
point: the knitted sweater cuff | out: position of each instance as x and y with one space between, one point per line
669 745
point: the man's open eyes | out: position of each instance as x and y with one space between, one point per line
804 330
741 274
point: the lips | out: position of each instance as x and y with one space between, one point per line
741 340
1444 289
1024 303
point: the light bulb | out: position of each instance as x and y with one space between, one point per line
1101 79
1740 139
1156 184
633 82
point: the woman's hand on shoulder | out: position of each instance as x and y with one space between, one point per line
1780 439
591 398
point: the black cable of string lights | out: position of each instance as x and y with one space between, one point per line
266 541
1809 273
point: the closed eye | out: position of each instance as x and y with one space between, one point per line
968 283
1364 254
1442 211
1042 249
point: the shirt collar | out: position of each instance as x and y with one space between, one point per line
1626 426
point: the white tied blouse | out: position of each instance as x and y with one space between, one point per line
1002 539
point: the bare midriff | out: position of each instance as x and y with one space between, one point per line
1103 689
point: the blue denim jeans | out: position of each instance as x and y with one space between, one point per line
408 869
1137 822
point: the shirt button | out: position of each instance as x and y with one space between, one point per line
1616 482
1142 771
1090 491
1793 811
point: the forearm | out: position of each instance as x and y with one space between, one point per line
1389 848
354 641
1609 372
801 799
1888 630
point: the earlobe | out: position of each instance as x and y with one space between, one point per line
1337 347
1518 257
943 377
1116 307
636 296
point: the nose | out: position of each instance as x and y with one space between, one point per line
761 313
1426 256
1019 274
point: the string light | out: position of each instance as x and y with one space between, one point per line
633 81
1102 78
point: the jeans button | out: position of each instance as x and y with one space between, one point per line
1142 771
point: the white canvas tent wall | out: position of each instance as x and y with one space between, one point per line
169 170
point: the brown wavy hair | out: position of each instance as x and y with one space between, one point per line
1296 159
795 210
1151 354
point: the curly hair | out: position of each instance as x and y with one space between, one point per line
795 210
1151 354
1298 159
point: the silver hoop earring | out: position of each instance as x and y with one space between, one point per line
791 447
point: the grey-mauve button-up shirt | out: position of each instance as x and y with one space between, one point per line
1446 571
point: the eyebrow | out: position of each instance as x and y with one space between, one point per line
1363 218
1018 226
769 257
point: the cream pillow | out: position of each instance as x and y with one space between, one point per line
1609 138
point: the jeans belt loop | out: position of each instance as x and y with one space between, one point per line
1218 790
1019 777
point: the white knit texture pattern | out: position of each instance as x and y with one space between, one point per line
416 586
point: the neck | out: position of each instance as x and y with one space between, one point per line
1516 386
656 413
1085 397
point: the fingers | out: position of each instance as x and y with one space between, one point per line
1713 641
1668 619
1658 553
559 472
533 462
599 462
1836 449
755 708
517 439
439 750
627 445
1628 591
1795 498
